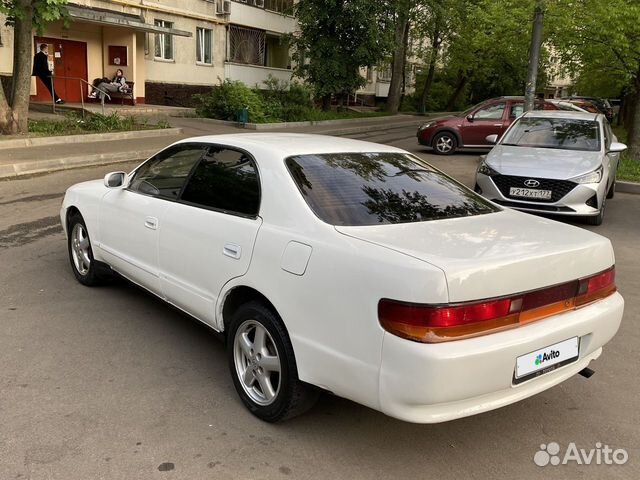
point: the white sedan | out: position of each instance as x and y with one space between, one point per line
345 266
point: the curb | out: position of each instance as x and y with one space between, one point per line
340 121
22 169
87 138
627 187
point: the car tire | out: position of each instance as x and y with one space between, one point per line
444 143
612 190
85 268
263 365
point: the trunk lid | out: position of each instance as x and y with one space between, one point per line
495 254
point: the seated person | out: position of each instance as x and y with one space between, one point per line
117 84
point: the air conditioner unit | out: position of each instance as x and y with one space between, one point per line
223 7
259 3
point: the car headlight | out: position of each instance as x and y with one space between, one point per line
427 125
486 169
591 177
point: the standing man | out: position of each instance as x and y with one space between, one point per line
41 70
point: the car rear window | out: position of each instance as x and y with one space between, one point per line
562 133
356 189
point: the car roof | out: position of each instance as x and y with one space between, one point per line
563 114
287 144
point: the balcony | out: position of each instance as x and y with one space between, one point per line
254 74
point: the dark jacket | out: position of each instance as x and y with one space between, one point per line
41 65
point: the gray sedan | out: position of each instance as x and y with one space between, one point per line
561 163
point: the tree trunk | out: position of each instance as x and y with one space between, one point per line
435 47
462 82
326 103
14 106
399 52
634 131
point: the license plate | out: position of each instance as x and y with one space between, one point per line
530 193
546 359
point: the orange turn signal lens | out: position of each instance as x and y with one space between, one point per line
440 323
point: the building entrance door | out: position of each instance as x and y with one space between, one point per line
68 60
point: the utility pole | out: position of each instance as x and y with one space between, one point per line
534 56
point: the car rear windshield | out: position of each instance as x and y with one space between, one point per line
356 189
562 133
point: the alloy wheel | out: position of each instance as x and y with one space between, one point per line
80 248
444 144
257 362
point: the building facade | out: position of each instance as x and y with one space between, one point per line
170 49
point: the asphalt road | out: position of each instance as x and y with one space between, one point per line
111 383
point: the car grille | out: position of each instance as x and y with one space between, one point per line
559 188
543 208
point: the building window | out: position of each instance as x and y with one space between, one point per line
246 45
164 42
281 6
203 46
384 73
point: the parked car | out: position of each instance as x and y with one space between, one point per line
562 163
470 129
351 267
601 104
584 105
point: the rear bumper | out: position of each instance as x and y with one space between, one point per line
573 203
430 383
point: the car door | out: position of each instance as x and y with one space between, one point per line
209 234
130 218
488 120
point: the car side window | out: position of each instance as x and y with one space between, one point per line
225 180
516 110
491 112
165 174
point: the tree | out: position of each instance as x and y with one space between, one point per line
24 16
401 20
603 36
336 39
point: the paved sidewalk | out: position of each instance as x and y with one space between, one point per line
21 161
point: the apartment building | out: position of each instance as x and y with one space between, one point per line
170 49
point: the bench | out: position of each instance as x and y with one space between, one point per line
126 95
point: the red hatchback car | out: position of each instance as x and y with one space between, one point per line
470 129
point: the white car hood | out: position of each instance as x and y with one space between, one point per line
495 254
542 162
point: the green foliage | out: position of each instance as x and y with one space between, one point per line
226 101
73 124
285 101
279 102
336 38
44 11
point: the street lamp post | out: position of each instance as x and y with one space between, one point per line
534 56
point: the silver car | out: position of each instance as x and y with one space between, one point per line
553 162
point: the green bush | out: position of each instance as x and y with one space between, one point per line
293 98
72 123
226 101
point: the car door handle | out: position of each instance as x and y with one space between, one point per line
497 124
232 250
151 223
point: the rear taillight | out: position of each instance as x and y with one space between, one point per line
440 323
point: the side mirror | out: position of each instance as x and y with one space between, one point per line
115 179
470 117
616 147
492 139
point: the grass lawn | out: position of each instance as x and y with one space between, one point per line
317 115
628 169
73 124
